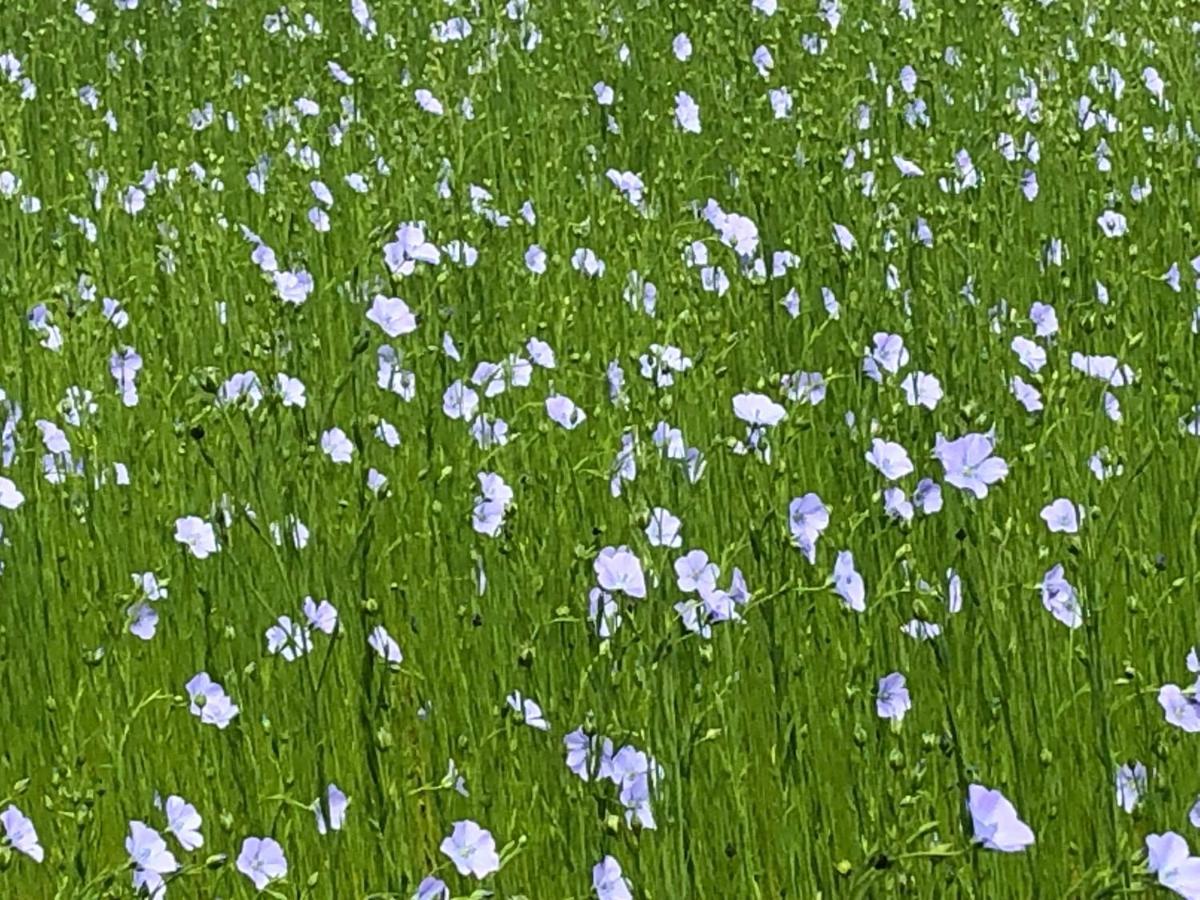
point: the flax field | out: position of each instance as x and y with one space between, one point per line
616 449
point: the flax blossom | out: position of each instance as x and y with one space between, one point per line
563 411
1180 708
687 113
332 805
289 639
529 711
1131 783
472 849
197 535
409 248
10 497
1061 599
209 702
432 888
886 355
184 822
293 287
1168 857
151 859
587 753
890 458
758 410
922 389
619 570
262 861
337 446
892 699
392 315
808 517
969 463
848 584
1108 369
322 616
491 504
20 834
609 882
1062 516
663 529
995 821
385 645
760 413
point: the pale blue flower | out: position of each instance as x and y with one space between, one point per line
995 821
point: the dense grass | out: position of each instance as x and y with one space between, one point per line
779 778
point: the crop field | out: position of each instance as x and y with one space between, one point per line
616 448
